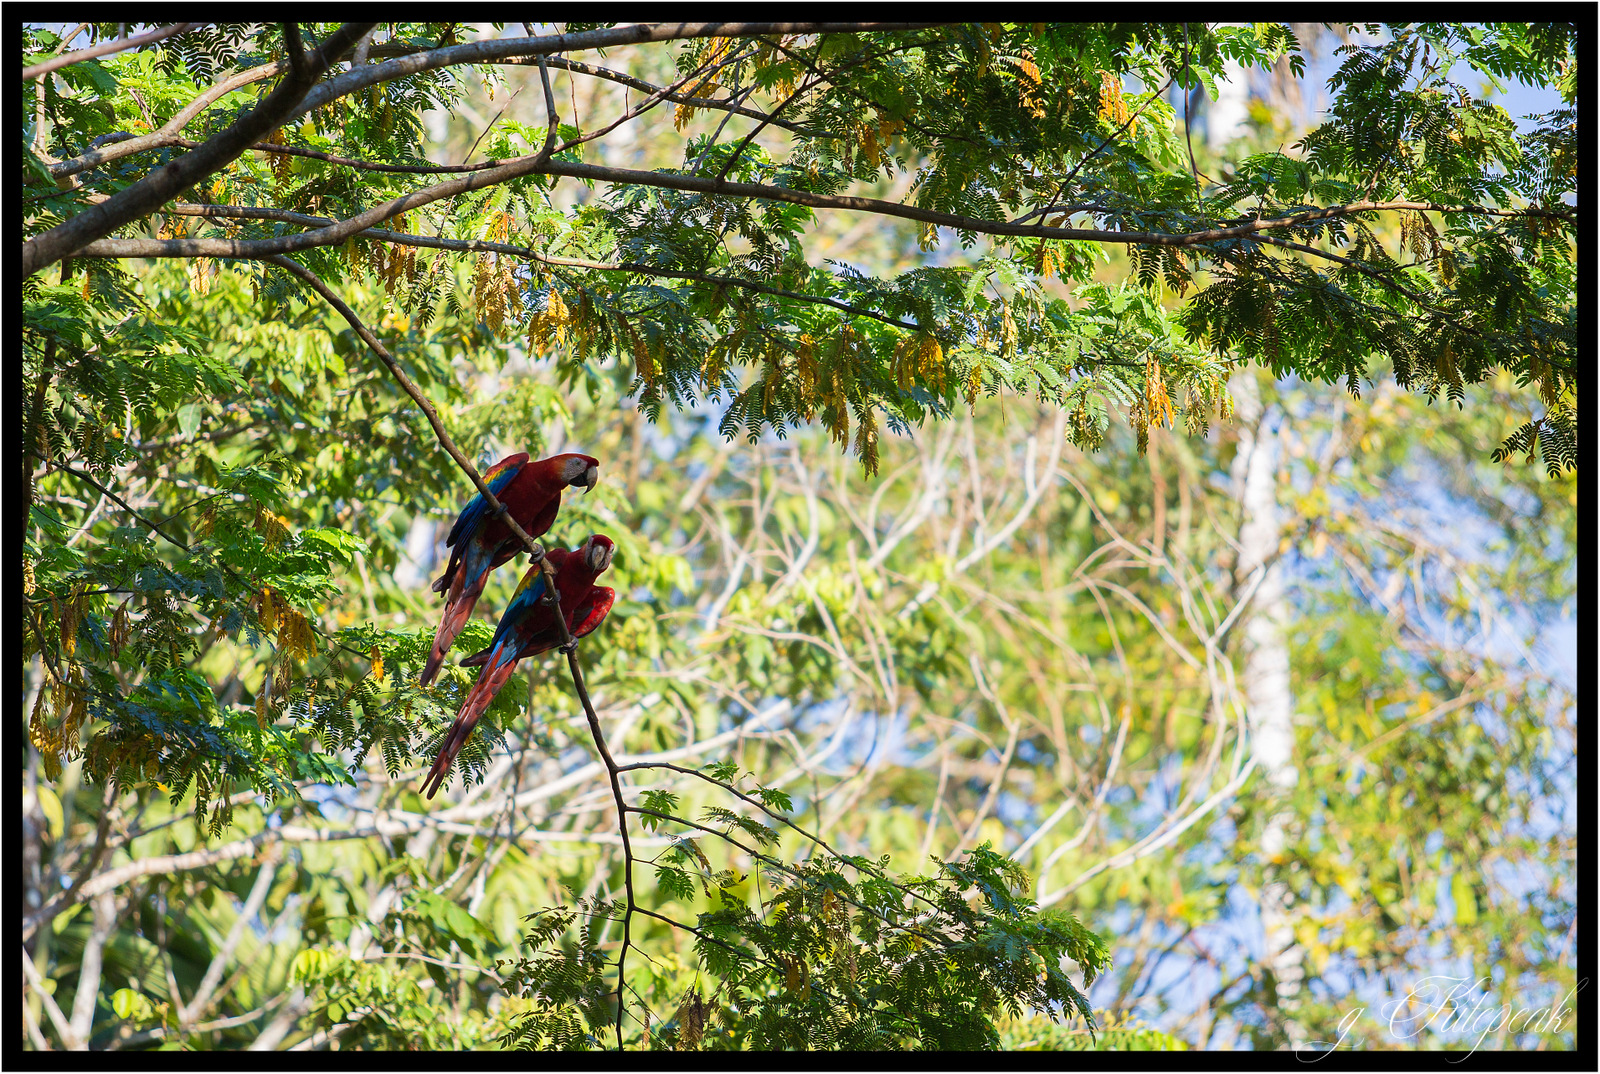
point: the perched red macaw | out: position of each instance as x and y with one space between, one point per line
480 540
528 628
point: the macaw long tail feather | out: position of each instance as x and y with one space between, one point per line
443 582
472 711
463 597
455 617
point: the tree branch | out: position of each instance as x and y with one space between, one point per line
570 645
149 193
552 596
48 1001
100 152
411 389
106 49
225 248
35 412
187 1012
523 166
501 48
83 1000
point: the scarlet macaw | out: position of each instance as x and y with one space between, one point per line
528 628
480 540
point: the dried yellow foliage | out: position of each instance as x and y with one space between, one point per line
200 273
920 356
1157 402
806 375
719 51
1049 260
280 161
71 613
867 442
267 611
974 384
273 527
549 328
1113 106
121 627
1008 331
643 363
1030 88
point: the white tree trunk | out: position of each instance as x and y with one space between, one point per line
1265 681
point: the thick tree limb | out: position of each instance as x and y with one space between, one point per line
149 193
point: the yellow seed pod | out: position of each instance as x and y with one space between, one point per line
272 527
39 721
1048 261
76 718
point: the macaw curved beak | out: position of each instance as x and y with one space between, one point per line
591 477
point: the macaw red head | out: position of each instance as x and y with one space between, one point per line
579 470
596 552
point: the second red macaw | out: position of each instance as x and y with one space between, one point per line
480 540
528 628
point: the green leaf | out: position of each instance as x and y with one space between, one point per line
131 1005
189 419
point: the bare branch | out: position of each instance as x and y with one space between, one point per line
187 1012
48 1001
83 1001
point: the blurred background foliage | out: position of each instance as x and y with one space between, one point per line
1000 638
